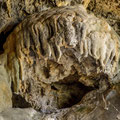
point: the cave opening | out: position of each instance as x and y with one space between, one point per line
65 93
69 91
59 94
69 94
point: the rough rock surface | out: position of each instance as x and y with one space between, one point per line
5 90
59 60
93 108
55 51
14 11
108 9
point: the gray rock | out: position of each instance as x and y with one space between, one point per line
5 85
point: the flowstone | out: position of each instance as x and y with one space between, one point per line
59 55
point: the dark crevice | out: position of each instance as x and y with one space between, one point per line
46 72
19 102
53 88
3 37
12 86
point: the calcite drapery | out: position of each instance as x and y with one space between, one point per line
51 46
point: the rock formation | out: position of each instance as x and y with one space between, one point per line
12 12
51 47
108 9
59 60
5 89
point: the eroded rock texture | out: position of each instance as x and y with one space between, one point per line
109 9
91 109
55 54
14 11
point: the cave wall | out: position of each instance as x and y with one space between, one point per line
108 9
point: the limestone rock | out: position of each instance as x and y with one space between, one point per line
109 9
94 107
14 11
5 84
54 51
18 114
